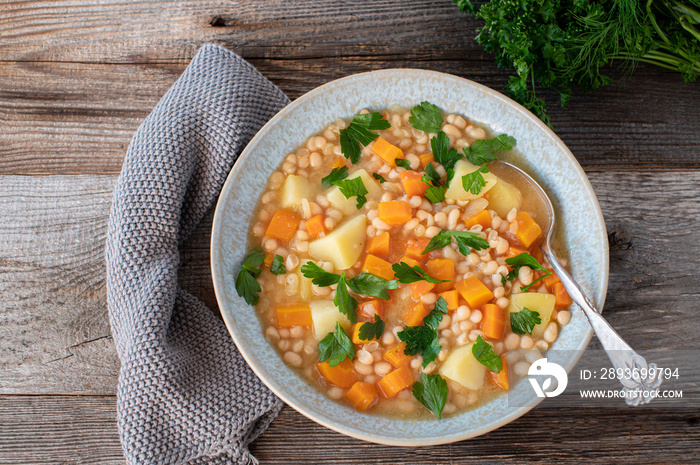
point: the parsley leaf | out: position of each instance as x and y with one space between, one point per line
502 143
403 163
431 175
484 354
431 392
435 194
354 187
369 331
465 240
524 321
442 153
433 319
344 301
474 181
336 174
277 266
246 284
369 284
359 132
318 275
482 151
420 339
407 274
379 178
426 117
525 259
336 347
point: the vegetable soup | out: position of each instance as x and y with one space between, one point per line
395 271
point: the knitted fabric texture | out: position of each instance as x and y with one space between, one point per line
185 394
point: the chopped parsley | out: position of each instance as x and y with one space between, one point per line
525 259
336 175
372 285
336 347
465 240
524 321
431 391
246 284
424 339
354 188
403 163
426 117
277 266
433 319
473 182
369 331
482 151
407 274
484 354
379 178
359 132
442 153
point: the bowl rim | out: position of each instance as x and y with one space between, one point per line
514 106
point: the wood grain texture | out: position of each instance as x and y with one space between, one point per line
72 430
76 80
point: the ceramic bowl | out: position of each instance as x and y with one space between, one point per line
542 154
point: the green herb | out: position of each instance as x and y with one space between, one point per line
431 176
420 340
336 174
482 151
484 354
379 178
435 194
442 153
433 319
564 44
372 285
354 187
318 275
336 347
407 274
369 331
503 280
359 132
524 321
525 259
474 181
426 117
344 301
246 284
431 392
465 240
277 266
403 163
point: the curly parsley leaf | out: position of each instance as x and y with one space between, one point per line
426 117
379 178
372 285
318 275
354 188
336 347
524 321
407 274
442 153
465 240
431 392
420 340
277 266
369 331
246 284
525 259
484 354
359 132
336 175
433 319
344 301
474 181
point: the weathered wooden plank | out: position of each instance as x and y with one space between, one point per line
54 333
61 429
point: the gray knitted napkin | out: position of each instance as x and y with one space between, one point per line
185 394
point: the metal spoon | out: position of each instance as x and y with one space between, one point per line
621 354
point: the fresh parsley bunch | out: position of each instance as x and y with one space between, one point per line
564 44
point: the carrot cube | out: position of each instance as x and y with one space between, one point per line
396 355
362 395
395 212
343 374
483 218
551 280
528 231
367 310
562 297
420 288
514 251
452 299
414 317
425 159
269 257
294 315
474 291
500 379
442 268
411 262
378 267
396 381
339 162
386 151
494 322
380 244
416 246
413 183
356 335
315 226
283 225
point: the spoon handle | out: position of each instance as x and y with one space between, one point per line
629 365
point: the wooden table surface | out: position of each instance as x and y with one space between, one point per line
77 78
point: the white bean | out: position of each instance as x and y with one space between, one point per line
292 359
